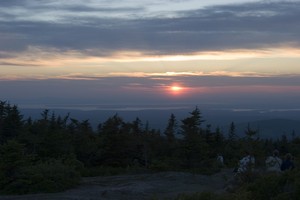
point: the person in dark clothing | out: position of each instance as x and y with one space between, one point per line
287 163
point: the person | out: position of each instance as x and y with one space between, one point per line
273 163
220 160
246 163
243 173
288 163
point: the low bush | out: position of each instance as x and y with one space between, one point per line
49 176
102 171
204 196
267 186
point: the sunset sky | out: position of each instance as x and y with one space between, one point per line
239 53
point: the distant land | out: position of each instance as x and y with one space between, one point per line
272 128
271 123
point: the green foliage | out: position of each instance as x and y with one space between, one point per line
170 130
20 174
192 124
49 176
103 171
10 121
203 196
160 165
12 159
55 144
267 186
284 186
47 154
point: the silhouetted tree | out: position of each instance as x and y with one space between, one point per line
11 121
250 132
137 126
194 143
232 132
192 124
170 130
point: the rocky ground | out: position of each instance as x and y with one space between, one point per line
163 185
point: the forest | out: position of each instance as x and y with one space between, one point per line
52 153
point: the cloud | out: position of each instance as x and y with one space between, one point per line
84 28
144 90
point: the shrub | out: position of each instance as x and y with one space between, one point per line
49 176
102 171
22 173
157 165
12 159
204 196
273 186
267 186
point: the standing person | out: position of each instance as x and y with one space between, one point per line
220 160
288 163
246 163
273 163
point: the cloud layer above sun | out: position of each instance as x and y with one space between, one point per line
101 50
109 29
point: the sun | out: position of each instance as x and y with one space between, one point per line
176 88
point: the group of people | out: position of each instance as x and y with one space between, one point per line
273 163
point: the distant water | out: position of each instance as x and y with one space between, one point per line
138 107
93 107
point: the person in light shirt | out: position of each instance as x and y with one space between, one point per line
273 163
220 160
246 163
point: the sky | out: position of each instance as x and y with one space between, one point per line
238 53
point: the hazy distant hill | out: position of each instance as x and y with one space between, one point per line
272 128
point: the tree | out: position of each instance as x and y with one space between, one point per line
170 130
251 133
194 144
231 151
137 126
112 125
11 122
12 159
231 133
21 173
217 144
252 143
119 141
192 125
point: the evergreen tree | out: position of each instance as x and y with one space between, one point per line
170 130
192 125
194 144
119 141
250 132
232 132
11 121
112 125
12 159
137 126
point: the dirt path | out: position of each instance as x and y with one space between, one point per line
136 187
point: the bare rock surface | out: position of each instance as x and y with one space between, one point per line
136 187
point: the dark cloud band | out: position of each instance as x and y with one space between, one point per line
241 26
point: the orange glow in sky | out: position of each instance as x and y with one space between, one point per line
176 89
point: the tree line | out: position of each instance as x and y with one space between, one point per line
53 152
